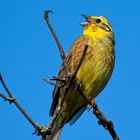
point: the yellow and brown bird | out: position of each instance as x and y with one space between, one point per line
94 72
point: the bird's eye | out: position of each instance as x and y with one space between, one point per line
98 20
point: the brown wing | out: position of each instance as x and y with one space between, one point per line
80 42
56 91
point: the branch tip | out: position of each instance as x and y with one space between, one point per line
46 13
49 82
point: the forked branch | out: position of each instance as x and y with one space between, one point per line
13 100
39 130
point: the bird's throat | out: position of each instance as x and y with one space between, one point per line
96 33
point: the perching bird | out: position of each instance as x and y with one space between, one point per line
93 74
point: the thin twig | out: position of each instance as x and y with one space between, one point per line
58 79
46 16
49 82
3 96
15 102
108 125
7 98
4 85
39 130
62 53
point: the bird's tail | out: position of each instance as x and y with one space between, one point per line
56 131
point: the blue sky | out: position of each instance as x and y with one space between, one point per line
28 53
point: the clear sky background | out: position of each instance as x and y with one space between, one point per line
28 53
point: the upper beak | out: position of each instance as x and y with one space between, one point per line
88 20
86 17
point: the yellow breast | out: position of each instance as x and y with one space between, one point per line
98 64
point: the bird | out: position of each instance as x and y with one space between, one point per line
93 74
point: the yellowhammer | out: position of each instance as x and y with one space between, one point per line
94 73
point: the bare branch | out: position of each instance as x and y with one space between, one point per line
1 95
39 130
108 125
4 85
58 79
49 82
7 98
15 102
62 54
46 16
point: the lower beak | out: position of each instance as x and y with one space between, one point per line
84 24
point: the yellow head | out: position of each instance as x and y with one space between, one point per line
96 24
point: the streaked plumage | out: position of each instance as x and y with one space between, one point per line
94 72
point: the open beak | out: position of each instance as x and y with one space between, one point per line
88 20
